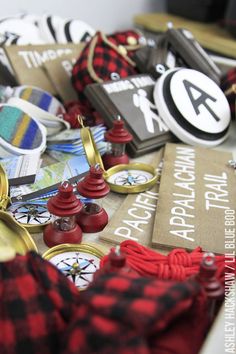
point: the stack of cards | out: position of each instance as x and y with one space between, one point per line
69 141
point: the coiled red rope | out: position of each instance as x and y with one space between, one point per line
179 264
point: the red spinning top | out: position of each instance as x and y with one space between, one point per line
92 217
64 207
118 136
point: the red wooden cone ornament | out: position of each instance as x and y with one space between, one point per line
64 207
92 217
118 137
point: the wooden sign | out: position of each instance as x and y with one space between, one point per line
28 62
59 72
196 199
132 99
135 218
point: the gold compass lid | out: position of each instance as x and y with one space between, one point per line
7 253
92 154
4 188
130 183
90 248
6 205
14 236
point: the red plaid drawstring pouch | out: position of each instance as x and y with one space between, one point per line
105 58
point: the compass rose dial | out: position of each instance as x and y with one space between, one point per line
77 262
29 215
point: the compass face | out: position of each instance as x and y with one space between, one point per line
130 177
30 214
78 267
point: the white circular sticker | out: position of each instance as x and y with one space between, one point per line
200 101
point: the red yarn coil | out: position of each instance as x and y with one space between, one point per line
179 264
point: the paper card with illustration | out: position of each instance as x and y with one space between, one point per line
135 217
27 62
196 199
131 98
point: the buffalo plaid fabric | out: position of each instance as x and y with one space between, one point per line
226 83
122 38
125 314
42 312
36 304
105 61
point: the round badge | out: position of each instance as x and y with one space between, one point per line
193 106
20 133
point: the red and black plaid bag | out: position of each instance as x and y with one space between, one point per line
105 58
125 313
42 312
228 85
37 302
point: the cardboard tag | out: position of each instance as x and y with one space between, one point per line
27 62
59 71
135 217
197 193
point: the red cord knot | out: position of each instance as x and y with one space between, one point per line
129 246
178 272
171 272
180 257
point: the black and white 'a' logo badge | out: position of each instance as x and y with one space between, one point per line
193 106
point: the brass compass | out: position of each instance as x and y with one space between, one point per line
12 235
125 178
78 262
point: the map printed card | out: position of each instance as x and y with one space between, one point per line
49 177
135 218
21 169
131 98
196 199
